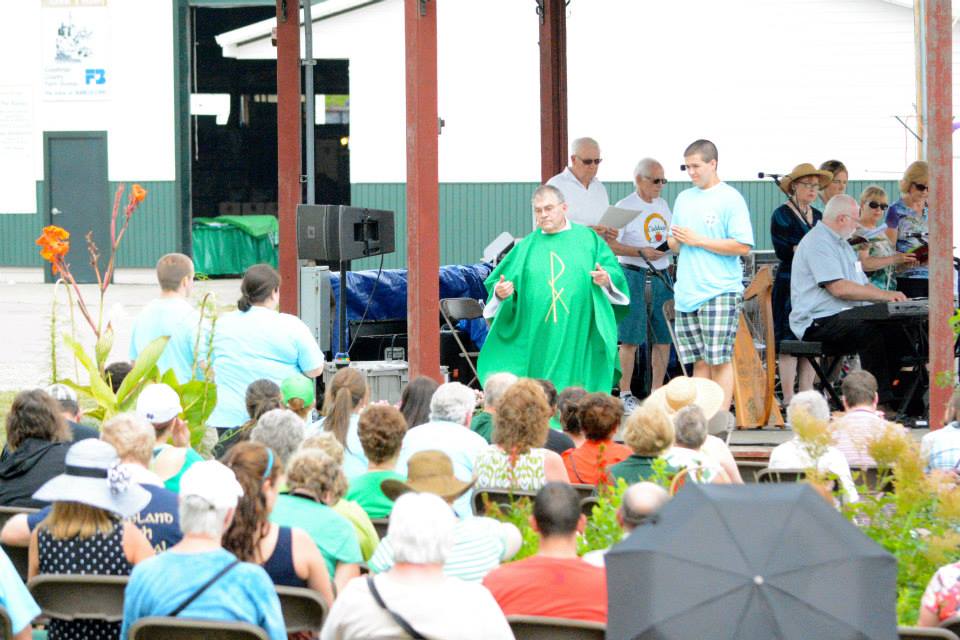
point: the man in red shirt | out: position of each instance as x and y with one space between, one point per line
555 582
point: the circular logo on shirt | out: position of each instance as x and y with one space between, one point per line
655 228
710 219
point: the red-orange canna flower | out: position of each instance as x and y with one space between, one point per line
54 244
138 193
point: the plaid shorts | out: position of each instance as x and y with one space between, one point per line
709 332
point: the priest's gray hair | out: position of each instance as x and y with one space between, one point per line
421 529
452 402
644 167
810 402
545 189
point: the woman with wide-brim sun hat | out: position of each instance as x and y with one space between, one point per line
683 391
86 530
788 224
908 226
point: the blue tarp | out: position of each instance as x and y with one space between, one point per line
389 301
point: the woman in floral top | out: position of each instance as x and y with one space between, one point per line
907 226
517 459
940 600
877 254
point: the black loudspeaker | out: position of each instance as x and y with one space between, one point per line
333 233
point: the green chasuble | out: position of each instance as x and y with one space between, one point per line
558 324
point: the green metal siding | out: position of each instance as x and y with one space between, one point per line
473 214
152 231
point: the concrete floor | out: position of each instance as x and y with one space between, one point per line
26 304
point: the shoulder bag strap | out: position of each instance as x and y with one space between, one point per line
400 620
206 585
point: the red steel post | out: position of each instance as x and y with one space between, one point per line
289 167
553 87
938 146
423 189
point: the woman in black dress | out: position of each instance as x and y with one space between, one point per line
789 223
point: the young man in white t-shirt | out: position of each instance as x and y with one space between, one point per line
637 248
710 231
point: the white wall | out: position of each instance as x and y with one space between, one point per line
138 111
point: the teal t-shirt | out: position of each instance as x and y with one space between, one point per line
365 490
331 532
173 482
259 343
720 213
158 585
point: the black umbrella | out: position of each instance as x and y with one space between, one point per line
751 562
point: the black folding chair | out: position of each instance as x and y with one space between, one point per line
453 311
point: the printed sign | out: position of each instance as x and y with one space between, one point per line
76 41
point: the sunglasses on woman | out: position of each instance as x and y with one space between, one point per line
873 204
921 187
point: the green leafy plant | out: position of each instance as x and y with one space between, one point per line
913 515
518 513
918 521
109 403
603 530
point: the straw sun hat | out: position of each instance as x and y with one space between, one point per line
683 391
802 171
95 477
428 472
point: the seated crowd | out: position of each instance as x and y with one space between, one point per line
292 498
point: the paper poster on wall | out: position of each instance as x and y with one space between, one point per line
18 190
76 40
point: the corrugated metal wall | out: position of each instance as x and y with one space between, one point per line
152 232
473 214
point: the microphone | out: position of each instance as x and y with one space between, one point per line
683 167
776 176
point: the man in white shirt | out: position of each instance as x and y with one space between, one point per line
451 409
585 195
637 249
794 455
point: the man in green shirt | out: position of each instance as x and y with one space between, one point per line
555 301
493 389
381 430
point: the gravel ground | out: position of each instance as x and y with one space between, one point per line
25 311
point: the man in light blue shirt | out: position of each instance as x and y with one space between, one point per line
827 279
451 409
710 231
170 315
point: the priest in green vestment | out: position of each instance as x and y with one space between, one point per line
555 301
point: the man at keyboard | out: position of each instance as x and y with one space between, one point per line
827 280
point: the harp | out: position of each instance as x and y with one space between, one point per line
754 379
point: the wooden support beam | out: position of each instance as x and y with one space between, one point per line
289 167
553 87
937 117
423 189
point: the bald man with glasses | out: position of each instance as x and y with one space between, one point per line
585 195
641 246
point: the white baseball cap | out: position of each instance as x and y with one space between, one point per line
212 481
158 403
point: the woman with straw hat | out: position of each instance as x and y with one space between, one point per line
85 532
788 224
